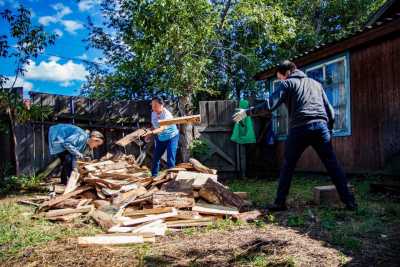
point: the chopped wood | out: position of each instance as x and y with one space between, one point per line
199 178
216 193
131 137
120 229
182 185
124 199
176 169
185 215
27 202
157 228
147 211
242 195
94 166
66 218
101 203
214 209
62 212
172 199
72 182
109 240
327 195
58 188
248 216
126 221
103 219
115 166
185 165
61 198
197 165
190 223
193 119
68 203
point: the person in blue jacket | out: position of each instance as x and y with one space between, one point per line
69 142
165 137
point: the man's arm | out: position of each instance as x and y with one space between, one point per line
330 112
272 102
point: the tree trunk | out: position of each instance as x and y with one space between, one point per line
186 138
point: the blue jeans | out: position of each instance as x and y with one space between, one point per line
318 136
171 146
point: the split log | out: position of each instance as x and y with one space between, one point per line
197 165
94 166
101 203
216 193
182 185
172 199
248 216
327 195
62 212
123 199
61 198
68 203
193 119
103 219
199 178
115 166
214 209
131 137
157 228
72 182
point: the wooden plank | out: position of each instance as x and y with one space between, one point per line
72 182
109 240
194 119
126 221
94 166
66 218
103 219
131 137
62 212
61 198
214 209
147 211
190 223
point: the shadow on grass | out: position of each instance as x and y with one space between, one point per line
370 236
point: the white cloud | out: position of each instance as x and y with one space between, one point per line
53 71
28 86
58 32
54 58
85 5
84 56
71 26
46 20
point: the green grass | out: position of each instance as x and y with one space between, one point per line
339 227
18 231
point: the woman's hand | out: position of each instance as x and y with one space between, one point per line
148 133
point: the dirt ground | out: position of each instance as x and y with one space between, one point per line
280 247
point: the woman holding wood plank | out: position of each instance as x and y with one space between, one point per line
165 137
69 142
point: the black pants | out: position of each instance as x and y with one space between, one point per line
67 165
318 136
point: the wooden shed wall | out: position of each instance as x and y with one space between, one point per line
374 144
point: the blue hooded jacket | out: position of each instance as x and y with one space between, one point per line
67 137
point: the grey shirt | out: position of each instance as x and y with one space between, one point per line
304 98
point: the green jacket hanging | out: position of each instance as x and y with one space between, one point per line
243 131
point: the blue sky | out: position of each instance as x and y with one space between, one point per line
60 69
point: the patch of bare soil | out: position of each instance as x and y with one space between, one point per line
212 248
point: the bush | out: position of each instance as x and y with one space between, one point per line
12 184
199 148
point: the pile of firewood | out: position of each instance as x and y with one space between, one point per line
132 207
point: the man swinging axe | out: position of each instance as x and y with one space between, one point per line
311 120
69 142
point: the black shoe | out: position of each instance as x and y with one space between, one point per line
276 207
352 206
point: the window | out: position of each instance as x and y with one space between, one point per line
334 76
280 117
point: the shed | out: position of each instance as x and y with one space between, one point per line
360 74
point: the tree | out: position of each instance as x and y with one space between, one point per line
180 48
22 43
